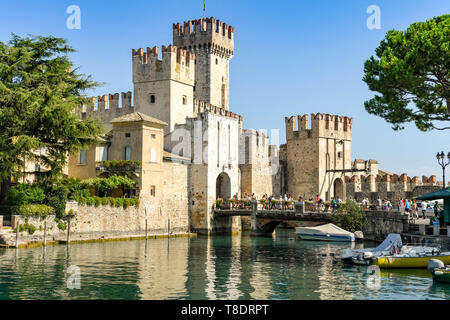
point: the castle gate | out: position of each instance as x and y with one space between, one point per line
223 186
338 189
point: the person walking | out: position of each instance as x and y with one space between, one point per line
424 206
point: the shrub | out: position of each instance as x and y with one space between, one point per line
31 229
90 201
219 202
119 202
137 203
40 210
58 199
82 201
350 217
126 203
25 194
105 201
112 202
62 225
77 194
98 201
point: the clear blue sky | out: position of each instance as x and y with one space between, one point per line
291 57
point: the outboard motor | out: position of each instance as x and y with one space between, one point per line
434 264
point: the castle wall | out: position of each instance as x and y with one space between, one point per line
310 152
212 155
257 176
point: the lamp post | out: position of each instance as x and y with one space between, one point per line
441 160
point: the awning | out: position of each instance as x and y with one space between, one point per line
440 194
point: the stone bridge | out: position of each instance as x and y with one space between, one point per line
264 222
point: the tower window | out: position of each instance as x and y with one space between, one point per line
152 98
127 135
127 154
339 154
217 61
184 100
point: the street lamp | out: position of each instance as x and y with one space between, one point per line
441 160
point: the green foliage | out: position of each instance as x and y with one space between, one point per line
108 184
30 228
412 75
61 225
219 202
39 94
119 163
113 202
25 194
350 216
57 200
40 210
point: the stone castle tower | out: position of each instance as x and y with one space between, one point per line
212 41
310 152
164 88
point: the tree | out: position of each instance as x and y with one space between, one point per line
39 94
412 76
350 217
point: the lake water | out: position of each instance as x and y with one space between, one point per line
219 267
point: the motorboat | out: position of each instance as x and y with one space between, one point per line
392 247
326 232
439 271
411 259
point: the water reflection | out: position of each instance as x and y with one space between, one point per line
231 268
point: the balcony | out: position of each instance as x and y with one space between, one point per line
122 166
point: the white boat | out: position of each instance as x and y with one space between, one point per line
326 232
391 246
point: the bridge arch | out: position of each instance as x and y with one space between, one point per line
223 186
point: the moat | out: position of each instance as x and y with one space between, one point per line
218 267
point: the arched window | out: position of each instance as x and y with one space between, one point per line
152 98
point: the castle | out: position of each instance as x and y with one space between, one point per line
194 150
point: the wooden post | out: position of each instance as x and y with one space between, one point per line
68 231
168 227
17 233
146 233
45 233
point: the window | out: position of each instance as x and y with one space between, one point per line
152 98
127 153
217 61
153 136
339 154
127 135
102 153
83 157
153 155
184 100
153 191
37 168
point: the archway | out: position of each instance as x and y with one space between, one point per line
223 187
338 189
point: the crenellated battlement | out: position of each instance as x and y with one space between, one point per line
205 35
322 126
107 107
202 106
176 64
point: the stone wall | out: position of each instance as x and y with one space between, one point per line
95 223
382 223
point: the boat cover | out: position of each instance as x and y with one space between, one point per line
392 239
325 229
